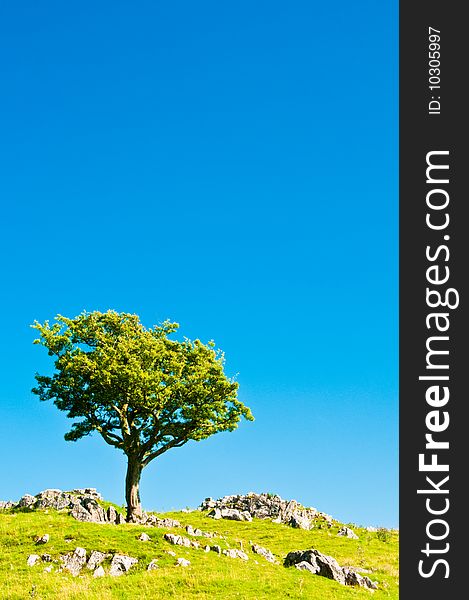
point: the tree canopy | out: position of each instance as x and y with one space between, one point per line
143 392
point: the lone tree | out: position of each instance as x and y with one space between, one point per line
143 392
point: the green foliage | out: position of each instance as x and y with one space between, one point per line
383 535
142 391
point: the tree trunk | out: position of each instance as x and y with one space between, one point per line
132 495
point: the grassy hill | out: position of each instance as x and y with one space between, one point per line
209 575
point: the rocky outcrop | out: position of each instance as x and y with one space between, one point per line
82 503
74 561
120 564
320 564
347 532
267 554
264 506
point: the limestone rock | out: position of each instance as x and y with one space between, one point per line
33 559
120 564
46 558
177 540
98 572
42 539
152 565
306 566
144 537
5 504
234 553
347 532
73 563
182 562
299 521
154 521
267 554
320 564
26 501
95 559
263 506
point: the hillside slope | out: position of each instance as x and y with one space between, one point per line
209 575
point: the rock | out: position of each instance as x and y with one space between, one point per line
182 562
234 553
33 559
195 544
42 539
177 540
347 532
234 514
267 554
111 514
306 566
216 549
154 521
300 522
48 569
207 548
74 562
144 537
89 511
26 501
196 532
98 572
354 578
120 519
152 565
326 566
120 564
5 504
263 506
95 559
46 558
171 552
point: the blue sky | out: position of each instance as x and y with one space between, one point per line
232 167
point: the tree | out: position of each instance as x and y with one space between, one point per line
143 392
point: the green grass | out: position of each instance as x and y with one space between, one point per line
209 575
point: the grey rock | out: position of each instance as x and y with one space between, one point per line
354 578
154 521
152 565
263 506
144 537
306 566
73 563
216 549
32 559
111 514
347 532
323 565
234 553
46 558
5 504
42 539
326 566
88 510
182 562
26 501
120 564
177 540
98 572
267 554
299 521
95 559
48 569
